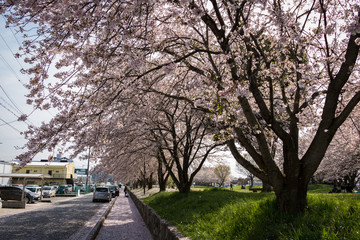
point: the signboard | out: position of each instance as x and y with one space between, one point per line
80 171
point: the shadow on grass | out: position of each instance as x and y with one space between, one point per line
223 214
175 206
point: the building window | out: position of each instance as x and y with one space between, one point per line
57 171
27 171
50 172
35 171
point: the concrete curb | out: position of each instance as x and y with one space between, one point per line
159 228
92 227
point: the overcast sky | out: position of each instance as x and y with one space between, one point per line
12 97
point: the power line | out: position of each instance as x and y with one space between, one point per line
18 111
8 104
11 50
14 109
11 100
12 32
10 125
12 70
9 110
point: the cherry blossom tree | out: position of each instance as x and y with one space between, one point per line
275 67
206 176
342 161
262 70
186 136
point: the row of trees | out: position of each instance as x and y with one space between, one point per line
172 80
341 162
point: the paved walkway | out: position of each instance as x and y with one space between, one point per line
124 222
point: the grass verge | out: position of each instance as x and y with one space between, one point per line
222 214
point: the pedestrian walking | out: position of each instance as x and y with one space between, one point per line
125 191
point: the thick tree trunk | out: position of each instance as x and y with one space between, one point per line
266 187
184 187
163 174
251 180
144 185
150 181
161 177
162 186
292 198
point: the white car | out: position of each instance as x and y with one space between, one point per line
49 191
36 191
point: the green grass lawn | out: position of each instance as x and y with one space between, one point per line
216 213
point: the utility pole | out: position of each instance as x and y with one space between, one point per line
87 172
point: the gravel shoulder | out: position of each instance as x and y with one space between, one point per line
34 206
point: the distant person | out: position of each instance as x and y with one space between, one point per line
334 190
126 191
231 187
342 187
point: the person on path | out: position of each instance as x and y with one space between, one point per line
125 191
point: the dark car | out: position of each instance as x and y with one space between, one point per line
14 193
114 190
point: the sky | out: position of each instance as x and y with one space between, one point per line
13 100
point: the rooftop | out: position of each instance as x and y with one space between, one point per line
54 164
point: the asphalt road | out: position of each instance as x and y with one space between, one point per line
57 220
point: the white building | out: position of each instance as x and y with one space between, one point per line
5 167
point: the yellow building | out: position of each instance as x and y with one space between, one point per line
62 173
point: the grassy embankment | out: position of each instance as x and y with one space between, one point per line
216 213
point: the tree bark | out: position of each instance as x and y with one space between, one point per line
292 198
150 181
266 187
184 187
163 174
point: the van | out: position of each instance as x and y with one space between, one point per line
35 190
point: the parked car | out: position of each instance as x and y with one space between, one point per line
70 188
49 191
102 194
56 187
31 196
114 190
31 186
14 193
36 191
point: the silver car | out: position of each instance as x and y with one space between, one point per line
49 191
102 194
